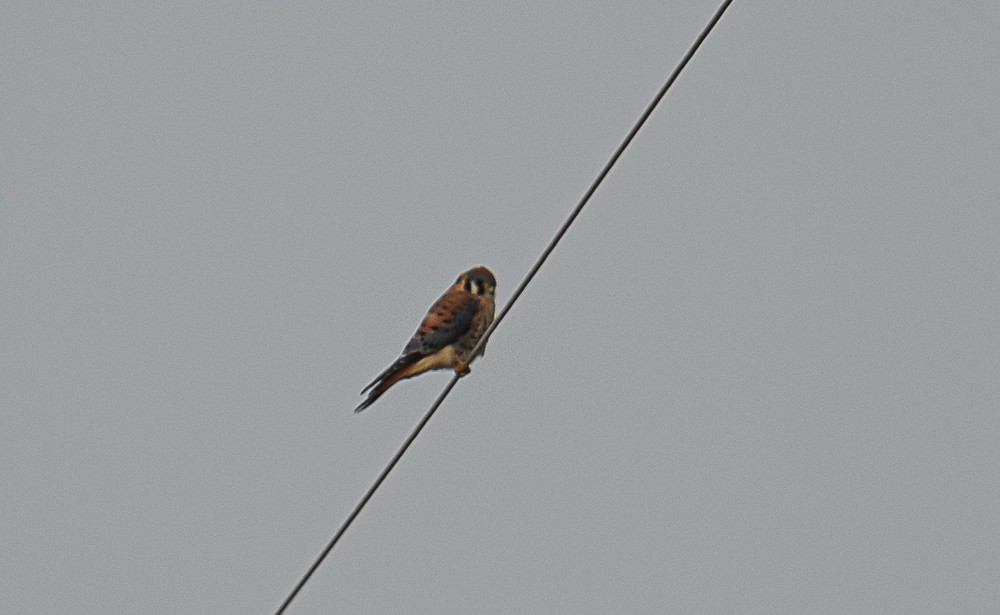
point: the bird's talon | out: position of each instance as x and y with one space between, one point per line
462 369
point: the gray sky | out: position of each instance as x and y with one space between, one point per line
760 374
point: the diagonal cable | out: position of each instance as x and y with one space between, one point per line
510 303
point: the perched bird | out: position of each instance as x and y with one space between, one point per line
447 335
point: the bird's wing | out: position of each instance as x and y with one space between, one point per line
448 319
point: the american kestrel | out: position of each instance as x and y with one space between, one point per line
447 334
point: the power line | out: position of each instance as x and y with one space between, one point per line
604 172
368 495
517 293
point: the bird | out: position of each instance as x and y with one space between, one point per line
447 334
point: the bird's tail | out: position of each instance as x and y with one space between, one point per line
392 374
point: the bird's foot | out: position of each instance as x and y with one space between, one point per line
462 368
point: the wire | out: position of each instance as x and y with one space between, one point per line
600 176
368 494
510 303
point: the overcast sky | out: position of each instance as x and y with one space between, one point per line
759 375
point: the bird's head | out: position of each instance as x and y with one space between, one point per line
478 281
